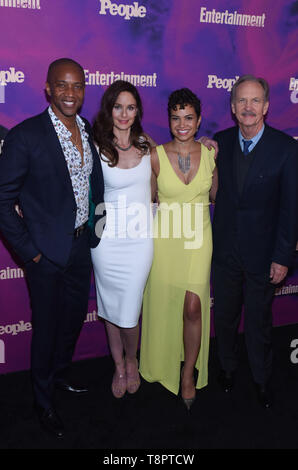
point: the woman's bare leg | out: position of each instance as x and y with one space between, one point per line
116 347
130 339
192 330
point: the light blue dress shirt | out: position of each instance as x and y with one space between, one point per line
254 139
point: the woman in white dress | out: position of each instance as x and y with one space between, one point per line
122 260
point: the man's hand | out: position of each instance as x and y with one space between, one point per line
37 258
209 143
277 273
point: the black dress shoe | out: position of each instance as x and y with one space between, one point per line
264 396
51 422
226 380
67 387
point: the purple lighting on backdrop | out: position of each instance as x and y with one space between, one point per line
172 40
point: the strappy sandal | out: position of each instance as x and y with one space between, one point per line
119 385
133 380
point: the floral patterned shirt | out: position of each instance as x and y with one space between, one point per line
79 174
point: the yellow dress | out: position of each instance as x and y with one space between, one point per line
181 262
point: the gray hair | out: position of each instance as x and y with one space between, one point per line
251 78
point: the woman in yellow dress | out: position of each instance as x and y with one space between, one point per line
176 304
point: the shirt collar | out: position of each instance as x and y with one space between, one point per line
254 139
62 130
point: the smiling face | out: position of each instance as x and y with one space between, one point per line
250 107
184 122
124 111
66 90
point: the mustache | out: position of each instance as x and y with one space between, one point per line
248 113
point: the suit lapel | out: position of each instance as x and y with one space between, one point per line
234 163
96 179
229 147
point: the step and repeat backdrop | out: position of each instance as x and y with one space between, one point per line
159 46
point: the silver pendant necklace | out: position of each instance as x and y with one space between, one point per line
184 163
122 148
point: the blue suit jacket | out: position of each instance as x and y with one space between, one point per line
263 219
34 173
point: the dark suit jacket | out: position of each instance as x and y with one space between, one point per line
3 132
263 219
34 173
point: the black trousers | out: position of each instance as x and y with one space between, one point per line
235 287
59 302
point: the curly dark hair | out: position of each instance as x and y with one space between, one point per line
181 98
103 125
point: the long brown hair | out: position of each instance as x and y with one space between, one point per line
103 125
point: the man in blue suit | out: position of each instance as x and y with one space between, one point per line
48 166
254 230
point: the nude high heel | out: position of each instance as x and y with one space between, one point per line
119 384
133 380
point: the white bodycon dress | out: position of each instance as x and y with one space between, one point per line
123 258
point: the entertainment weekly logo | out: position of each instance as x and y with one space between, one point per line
11 273
125 11
231 18
286 290
29 4
293 87
98 78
